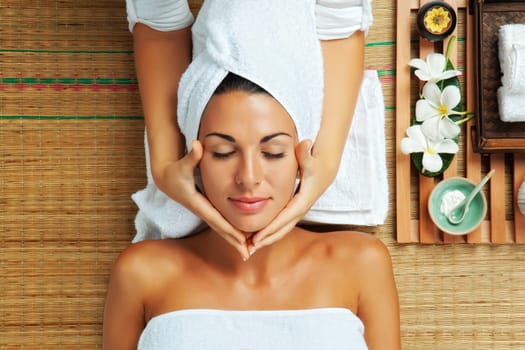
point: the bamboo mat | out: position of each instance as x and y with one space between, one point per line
71 151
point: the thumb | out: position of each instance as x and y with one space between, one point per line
302 151
194 156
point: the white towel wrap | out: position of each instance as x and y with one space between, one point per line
205 329
256 40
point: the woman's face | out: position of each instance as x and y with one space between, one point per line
248 167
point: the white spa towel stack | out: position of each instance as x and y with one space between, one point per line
511 54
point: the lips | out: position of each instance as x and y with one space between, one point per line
249 204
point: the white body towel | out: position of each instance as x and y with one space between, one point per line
204 329
359 195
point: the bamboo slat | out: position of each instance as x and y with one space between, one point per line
519 177
452 170
403 197
473 160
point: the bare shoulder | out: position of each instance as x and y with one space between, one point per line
373 280
143 253
362 248
145 263
357 255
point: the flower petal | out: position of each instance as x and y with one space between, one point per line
424 110
447 146
423 75
436 63
432 93
430 128
449 74
451 96
448 129
409 145
415 133
418 63
432 162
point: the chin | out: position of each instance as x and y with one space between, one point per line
250 226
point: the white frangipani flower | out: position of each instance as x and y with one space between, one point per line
434 110
433 69
417 142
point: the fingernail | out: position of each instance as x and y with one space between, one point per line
252 251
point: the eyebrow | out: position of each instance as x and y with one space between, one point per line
265 139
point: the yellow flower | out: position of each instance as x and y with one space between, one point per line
437 20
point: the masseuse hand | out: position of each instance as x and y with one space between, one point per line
179 184
316 176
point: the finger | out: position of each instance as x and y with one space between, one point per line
182 175
270 239
303 155
224 229
194 156
288 218
241 248
207 212
201 207
302 150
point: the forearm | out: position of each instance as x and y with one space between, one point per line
160 59
343 73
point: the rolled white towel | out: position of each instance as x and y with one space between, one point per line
511 54
513 78
511 106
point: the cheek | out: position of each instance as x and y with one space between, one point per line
284 178
209 170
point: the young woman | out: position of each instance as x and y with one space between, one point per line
305 291
163 44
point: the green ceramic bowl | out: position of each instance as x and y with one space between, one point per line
475 214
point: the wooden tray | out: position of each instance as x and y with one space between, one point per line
491 134
504 222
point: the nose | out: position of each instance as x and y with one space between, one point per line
249 172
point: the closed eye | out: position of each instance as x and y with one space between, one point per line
222 155
270 155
